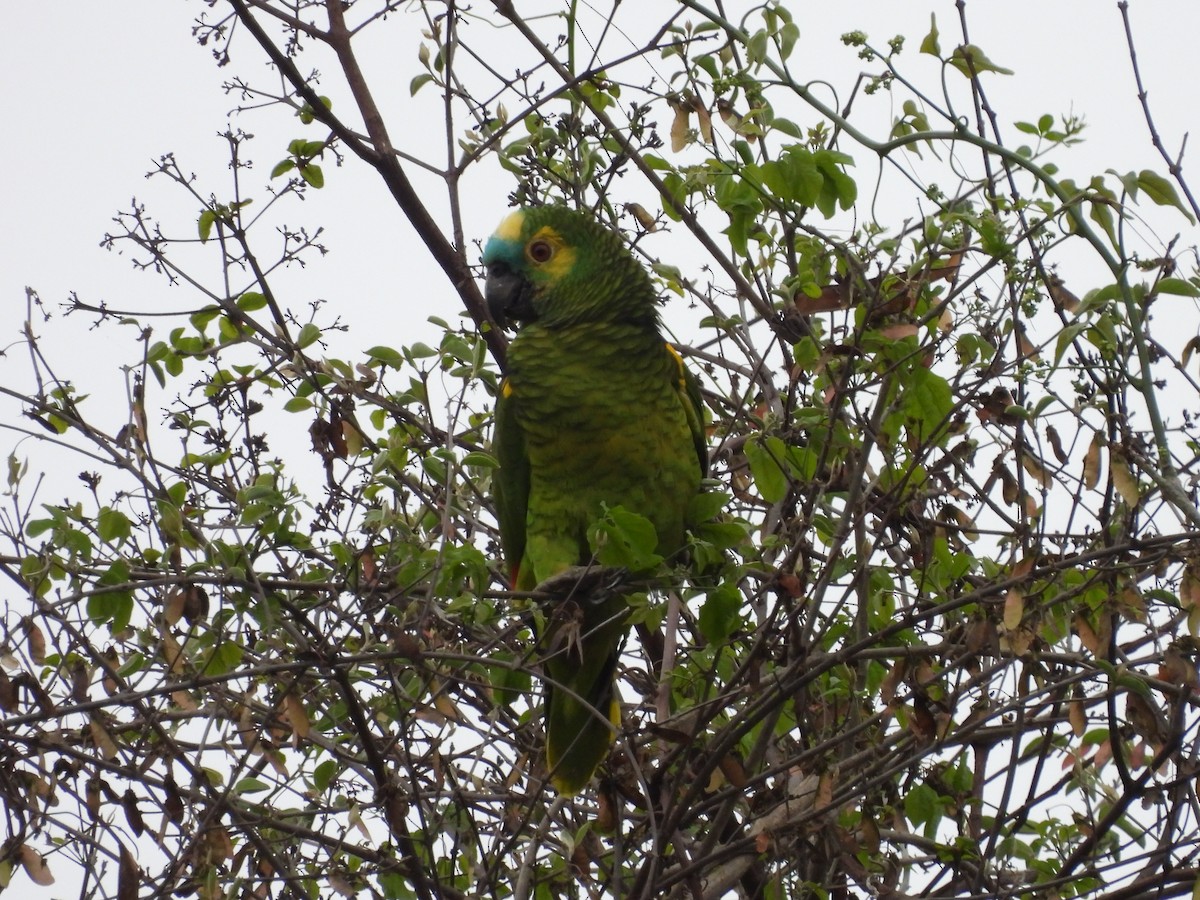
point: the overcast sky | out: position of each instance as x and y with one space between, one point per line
101 90
97 91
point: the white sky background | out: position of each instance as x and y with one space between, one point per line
97 91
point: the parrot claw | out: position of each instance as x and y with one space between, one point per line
566 627
591 585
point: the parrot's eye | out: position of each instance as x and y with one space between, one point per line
540 251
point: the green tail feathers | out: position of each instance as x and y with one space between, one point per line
578 737
583 711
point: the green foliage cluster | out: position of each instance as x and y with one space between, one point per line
937 635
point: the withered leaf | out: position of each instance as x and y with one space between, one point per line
1056 444
35 866
1091 462
133 815
1122 478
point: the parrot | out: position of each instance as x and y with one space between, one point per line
595 410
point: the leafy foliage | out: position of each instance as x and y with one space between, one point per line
937 635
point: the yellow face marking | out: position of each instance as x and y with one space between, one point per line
510 228
562 259
506 389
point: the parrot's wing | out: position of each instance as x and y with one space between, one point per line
688 389
511 480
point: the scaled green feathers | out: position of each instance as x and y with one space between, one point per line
596 410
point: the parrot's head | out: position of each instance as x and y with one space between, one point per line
552 265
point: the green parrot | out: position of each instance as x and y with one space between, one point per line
596 410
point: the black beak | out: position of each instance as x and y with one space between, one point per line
508 296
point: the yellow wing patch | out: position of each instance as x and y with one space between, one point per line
679 364
563 259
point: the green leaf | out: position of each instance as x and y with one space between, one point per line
324 774
251 301
297 404
625 539
971 60
387 356
921 804
250 786
481 459
1180 286
308 335
419 82
205 223
284 165
112 525
719 614
112 608
764 456
930 43
225 657
928 401
706 505
312 175
1161 192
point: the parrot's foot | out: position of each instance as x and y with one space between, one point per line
586 585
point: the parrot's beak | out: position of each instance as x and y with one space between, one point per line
508 295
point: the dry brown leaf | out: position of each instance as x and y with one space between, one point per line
607 805
35 866
1091 462
891 681
172 801
1033 466
133 815
173 606
184 700
81 680
832 297
734 771
1177 668
92 798
341 883
1189 586
8 693
679 126
824 790
1014 608
1056 444
1077 715
899 331
1123 479
353 437
1030 505
1146 719
945 322
295 715
1062 298
704 120
644 218
443 704
217 845
1025 347
1188 349
36 642
172 654
114 663
102 739
1091 641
